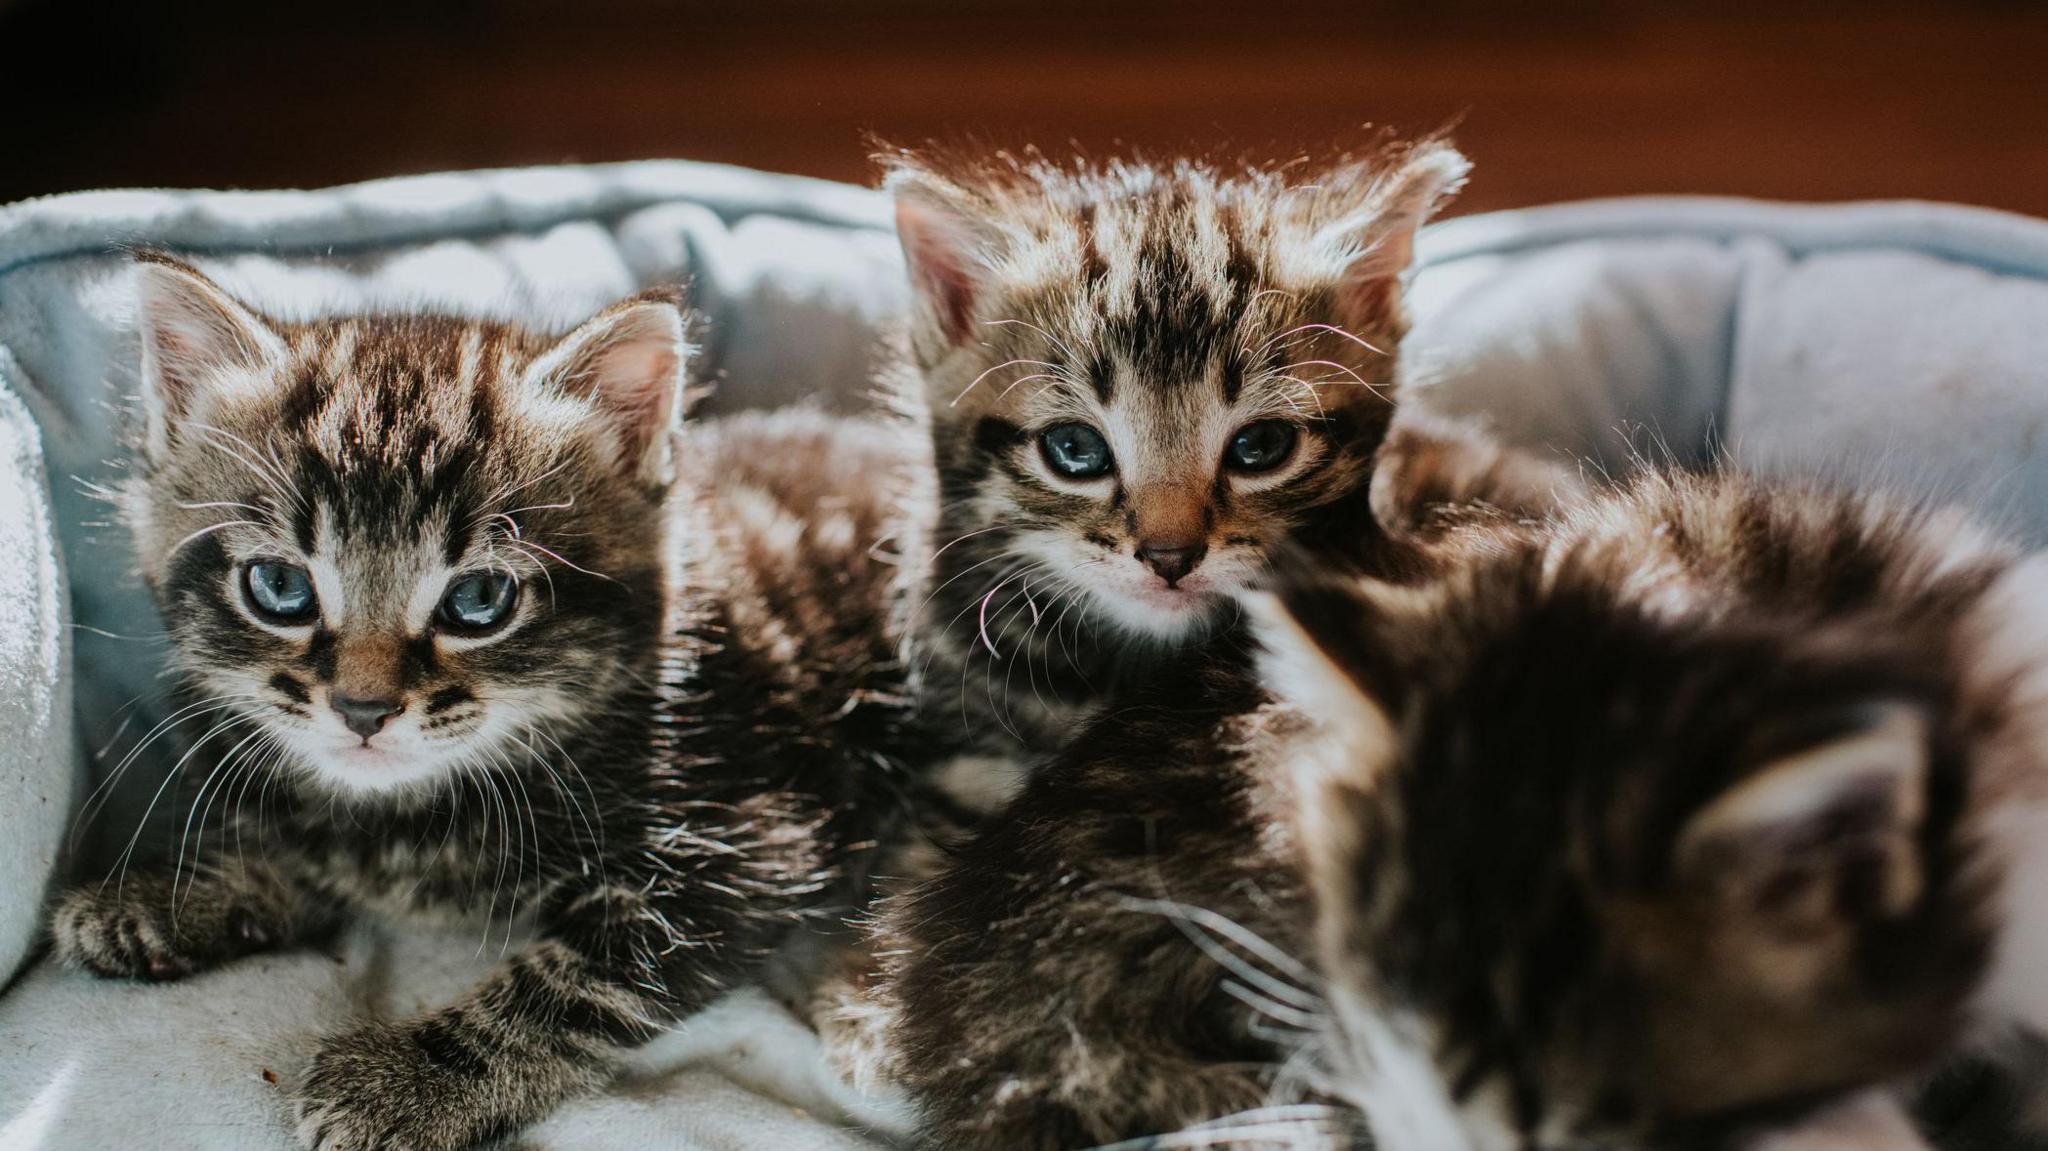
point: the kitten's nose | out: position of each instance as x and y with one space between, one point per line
365 717
1172 563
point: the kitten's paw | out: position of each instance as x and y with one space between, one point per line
376 1089
132 932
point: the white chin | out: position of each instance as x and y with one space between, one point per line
1160 614
363 771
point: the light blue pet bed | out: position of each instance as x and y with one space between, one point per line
1902 341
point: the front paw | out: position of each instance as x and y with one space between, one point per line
377 1089
138 930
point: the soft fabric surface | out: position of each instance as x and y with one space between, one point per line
205 1065
38 767
1904 340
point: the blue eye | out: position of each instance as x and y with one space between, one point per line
478 601
1261 446
1075 450
279 592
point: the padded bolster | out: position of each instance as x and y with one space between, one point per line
38 770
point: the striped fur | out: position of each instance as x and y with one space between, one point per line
1663 825
1670 821
1167 307
678 748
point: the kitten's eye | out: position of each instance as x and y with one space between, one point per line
279 592
1261 446
478 601
1075 450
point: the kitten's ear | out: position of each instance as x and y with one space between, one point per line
628 361
1821 840
198 344
1308 629
1317 652
1376 239
948 249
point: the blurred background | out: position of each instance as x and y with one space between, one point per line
1797 99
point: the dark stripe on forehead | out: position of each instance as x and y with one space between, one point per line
1172 328
303 526
305 393
1240 266
455 540
1101 377
1093 267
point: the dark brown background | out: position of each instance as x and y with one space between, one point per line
1799 99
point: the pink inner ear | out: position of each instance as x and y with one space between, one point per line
637 377
939 251
1370 295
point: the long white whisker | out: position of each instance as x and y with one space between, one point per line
997 368
1207 921
226 764
207 531
128 852
1055 341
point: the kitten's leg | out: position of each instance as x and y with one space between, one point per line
163 924
614 966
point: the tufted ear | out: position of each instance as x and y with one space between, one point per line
199 345
1318 651
1375 241
1820 840
628 362
949 248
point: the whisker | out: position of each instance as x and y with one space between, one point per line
997 368
142 822
1202 918
207 531
1050 338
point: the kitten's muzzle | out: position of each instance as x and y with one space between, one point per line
365 716
1172 563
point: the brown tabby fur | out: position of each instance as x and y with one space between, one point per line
1166 306
681 747
1471 881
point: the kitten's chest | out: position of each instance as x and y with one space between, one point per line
492 855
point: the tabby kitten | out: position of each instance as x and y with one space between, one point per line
1674 821
1685 819
441 578
1142 379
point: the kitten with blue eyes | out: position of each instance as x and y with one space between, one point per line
1144 380
509 640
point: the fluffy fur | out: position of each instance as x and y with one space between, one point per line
1166 309
676 746
1740 754
1695 813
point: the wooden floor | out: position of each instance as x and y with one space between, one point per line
1792 100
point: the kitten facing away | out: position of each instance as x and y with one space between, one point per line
1705 813
510 644
1143 380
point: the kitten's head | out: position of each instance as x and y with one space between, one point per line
396 547
1599 863
1144 377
